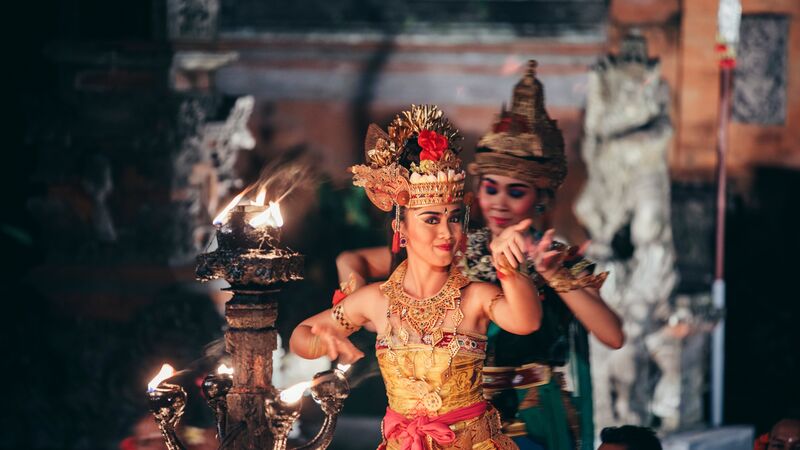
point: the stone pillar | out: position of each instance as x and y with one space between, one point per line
250 339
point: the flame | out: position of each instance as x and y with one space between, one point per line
165 372
223 216
261 198
223 369
270 217
294 393
343 367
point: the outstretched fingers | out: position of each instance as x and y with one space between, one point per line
547 240
523 225
348 353
336 346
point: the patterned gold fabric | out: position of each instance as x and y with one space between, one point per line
461 389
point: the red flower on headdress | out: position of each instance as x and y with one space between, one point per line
504 124
433 145
761 442
129 443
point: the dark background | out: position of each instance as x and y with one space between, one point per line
88 319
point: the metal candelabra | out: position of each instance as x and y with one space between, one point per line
250 412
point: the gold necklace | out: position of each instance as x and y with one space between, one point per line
425 316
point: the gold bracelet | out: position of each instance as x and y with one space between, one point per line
314 349
563 281
341 318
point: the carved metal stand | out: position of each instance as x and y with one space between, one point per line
251 412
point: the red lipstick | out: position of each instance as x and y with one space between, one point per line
501 221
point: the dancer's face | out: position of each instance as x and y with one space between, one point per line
506 201
785 435
434 232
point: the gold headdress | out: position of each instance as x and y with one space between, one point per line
415 164
524 142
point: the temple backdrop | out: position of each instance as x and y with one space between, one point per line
111 191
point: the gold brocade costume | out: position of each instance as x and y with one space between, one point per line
432 371
448 370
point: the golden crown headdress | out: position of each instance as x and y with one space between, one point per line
524 142
415 164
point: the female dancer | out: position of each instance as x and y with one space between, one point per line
432 318
540 382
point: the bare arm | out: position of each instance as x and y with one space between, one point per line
326 333
518 310
363 264
590 309
585 303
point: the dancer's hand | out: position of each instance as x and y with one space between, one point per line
545 261
508 248
335 345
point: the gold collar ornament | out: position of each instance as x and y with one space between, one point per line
424 316
524 143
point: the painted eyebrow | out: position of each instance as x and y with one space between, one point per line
512 185
429 213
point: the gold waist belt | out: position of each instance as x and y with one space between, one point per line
477 430
501 378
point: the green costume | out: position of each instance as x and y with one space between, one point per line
557 418
540 382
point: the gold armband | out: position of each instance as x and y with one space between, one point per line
341 318
563 281
492 303
315 350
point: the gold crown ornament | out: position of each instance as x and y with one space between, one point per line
524 143
414 164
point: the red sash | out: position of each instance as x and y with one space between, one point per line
412 432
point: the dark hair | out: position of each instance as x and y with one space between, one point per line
632 437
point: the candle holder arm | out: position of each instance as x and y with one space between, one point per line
324 437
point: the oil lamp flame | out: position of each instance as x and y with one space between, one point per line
165 372
293 394
270 217
224 370
261 198
223 216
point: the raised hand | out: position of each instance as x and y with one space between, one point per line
336 346
509 247
545 261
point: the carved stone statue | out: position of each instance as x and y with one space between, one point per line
626 208
192 19
206 159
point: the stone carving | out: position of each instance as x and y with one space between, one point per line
192 19
626 209
224 139
760 80
98 183
204 162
